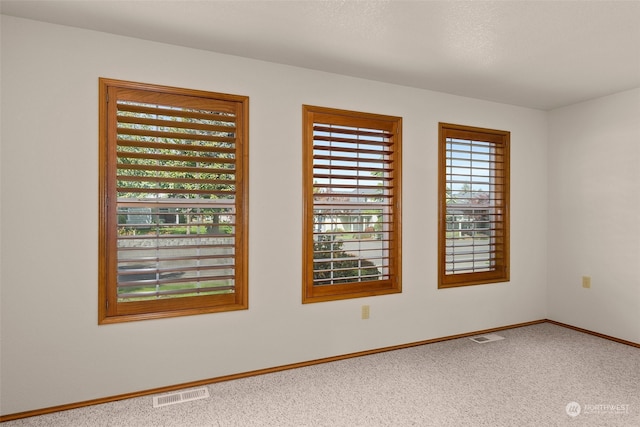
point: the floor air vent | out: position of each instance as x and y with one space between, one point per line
180 397
481 339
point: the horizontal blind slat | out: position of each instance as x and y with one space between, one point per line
175 147
128 133
169 292
158 168
142 108
135 190
170 157
361 168
351 177
173 124
329 128
350 159
158 179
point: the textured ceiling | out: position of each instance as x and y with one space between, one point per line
539 54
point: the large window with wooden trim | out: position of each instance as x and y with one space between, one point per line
352 199
473 234
173 201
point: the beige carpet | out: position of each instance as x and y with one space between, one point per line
540 375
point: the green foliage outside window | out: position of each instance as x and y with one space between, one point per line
332 265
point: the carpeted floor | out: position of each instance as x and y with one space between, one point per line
540 375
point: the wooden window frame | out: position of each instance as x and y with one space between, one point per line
389 280
110 308
497 213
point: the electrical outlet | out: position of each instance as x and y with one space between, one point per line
365 311
586 282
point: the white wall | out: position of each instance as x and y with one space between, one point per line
594 215
54 352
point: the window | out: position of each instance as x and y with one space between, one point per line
352 188
173 202
474 206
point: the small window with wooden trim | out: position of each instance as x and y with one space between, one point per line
352 199
173 201
473 232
